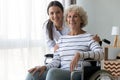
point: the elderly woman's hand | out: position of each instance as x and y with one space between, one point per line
74 62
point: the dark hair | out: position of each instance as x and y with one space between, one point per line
55 3
50 23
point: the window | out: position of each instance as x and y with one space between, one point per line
21 37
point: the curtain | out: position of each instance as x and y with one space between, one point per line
22 44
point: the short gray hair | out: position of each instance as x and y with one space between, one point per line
81 12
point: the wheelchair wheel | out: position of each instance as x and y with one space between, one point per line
102 75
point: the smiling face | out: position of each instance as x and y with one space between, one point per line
56 15
73 19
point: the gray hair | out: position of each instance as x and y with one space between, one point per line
81 12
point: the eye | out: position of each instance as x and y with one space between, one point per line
75 16
51 13
57 12
69 16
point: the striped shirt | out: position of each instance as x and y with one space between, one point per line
69 45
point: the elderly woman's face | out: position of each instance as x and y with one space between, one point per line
55 14
73 19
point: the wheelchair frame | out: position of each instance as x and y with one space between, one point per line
97 65
98 75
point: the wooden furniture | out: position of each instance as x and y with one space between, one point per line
112 65
106 51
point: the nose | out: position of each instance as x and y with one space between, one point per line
55 15
71 18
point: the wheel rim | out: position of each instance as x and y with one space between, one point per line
102 75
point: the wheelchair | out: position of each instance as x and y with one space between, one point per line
93 72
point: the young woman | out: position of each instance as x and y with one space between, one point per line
55 26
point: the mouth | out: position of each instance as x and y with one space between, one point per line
56 20
72 23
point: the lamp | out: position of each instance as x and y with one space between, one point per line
116 32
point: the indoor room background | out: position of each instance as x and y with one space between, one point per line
102 16
22 43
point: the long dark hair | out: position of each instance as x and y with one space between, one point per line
50 23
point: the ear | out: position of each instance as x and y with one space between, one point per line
81 22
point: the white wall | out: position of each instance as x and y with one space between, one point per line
102 15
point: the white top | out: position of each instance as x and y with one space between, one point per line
69 45
56 35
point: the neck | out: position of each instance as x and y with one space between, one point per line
76 32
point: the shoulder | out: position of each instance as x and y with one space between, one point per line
45 24
85 37
88 35
62 38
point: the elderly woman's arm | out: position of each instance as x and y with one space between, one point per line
96 52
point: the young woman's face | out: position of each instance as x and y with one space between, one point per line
55 14
73 20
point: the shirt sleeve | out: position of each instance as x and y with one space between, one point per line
96 51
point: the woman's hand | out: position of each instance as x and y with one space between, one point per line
97 38
41 69
56 47
74 62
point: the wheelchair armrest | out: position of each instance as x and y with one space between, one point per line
92 61
49 55
88 59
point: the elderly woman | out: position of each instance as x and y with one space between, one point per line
76 45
